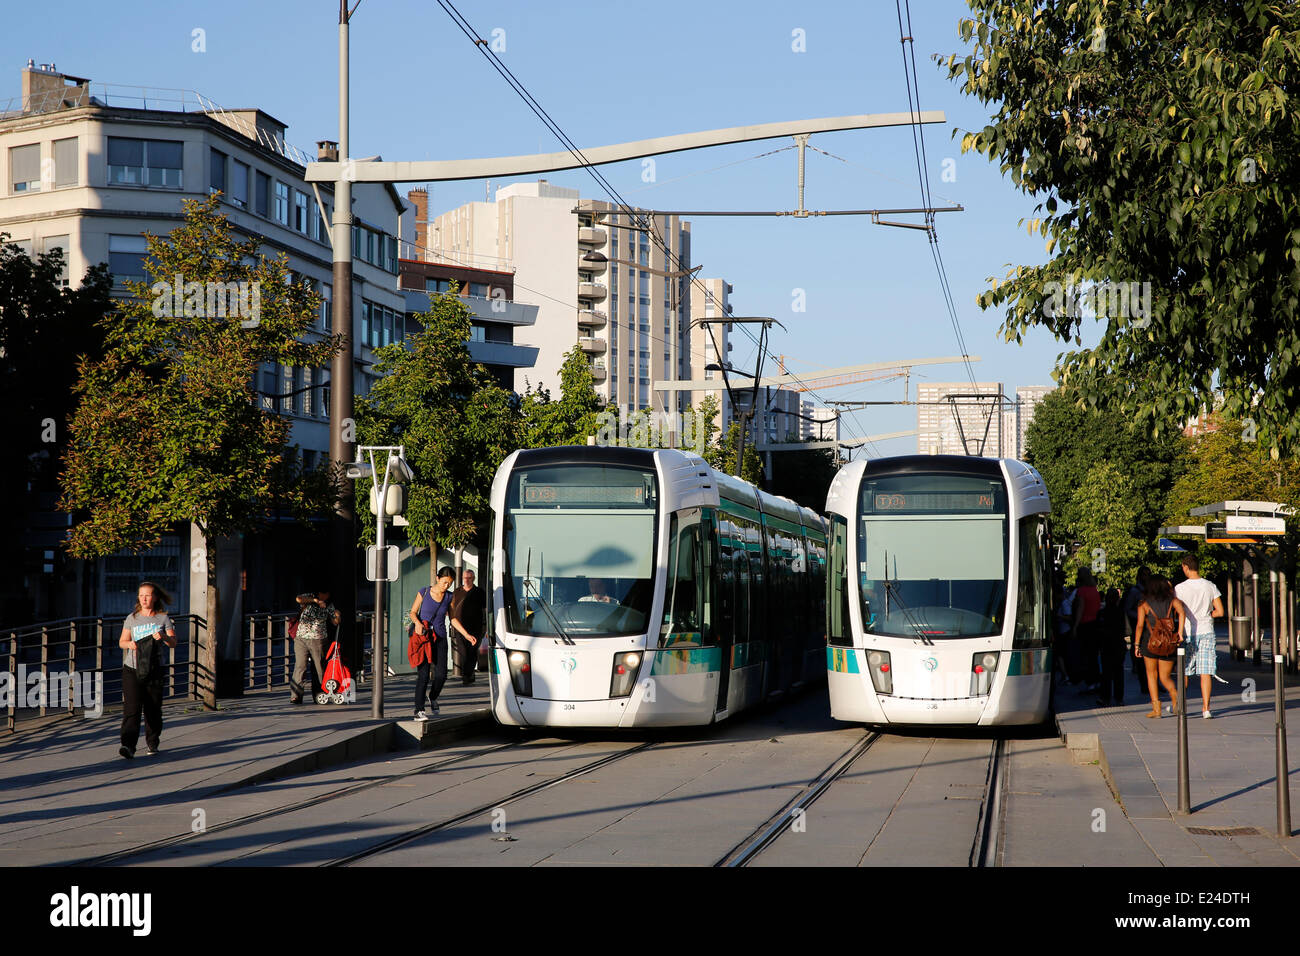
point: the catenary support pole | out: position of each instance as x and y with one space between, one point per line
1184 777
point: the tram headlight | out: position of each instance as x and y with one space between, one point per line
882 677
627 664
521 672
984 664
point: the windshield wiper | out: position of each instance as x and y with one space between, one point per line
545 604
918 627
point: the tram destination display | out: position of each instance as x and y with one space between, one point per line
920 502
580 496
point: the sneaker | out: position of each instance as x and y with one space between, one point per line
126 751
389 671
295 700
421 715
433 709
152 751
1169 708
1205 714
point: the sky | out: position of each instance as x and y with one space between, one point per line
611 72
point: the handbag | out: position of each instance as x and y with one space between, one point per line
293 625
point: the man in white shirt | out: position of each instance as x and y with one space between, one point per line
1204 603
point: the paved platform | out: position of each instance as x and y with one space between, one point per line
65 776
1231 760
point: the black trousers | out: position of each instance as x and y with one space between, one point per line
467 657
1113 652
439 668
141 697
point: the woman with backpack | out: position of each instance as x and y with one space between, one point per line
1160 624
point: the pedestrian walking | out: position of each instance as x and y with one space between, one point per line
1084 637
1064 617
429 625
314 619
1204 603
1113 649
467 609
1133 599
1161 620
144 628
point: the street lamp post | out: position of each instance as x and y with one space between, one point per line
342 425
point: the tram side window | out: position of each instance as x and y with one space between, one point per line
1033 628
726 583
741 557
837 581
683 605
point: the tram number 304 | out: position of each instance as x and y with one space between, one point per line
570 706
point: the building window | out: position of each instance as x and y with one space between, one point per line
126 255
326 312
390 254
262 195
300 211
217 172
25 168
66 171
238 195
477 333
144 162
314 220
60 243
281 203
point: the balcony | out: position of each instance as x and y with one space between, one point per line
592 319
592 346
503 353
591 236
488 310
592 290
598 373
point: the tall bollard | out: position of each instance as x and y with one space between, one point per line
1283 779
1184 782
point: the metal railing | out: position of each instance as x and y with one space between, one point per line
76 664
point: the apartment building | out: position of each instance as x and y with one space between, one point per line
958 418
91 169
599 280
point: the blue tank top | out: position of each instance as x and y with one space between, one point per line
435 612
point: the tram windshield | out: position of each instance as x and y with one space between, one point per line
579 546
932 555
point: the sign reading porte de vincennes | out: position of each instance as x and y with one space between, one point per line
1256 524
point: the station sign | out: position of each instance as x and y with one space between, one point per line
1254 524
1167 544
1216 532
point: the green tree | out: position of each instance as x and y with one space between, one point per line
1159 140
167 428
804 476
455 425
1107 527
44 330
1065 442
722 456
570 419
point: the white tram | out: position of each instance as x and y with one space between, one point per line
939 603
632 588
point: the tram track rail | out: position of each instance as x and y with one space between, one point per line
772 828
410 836
348 790
988 834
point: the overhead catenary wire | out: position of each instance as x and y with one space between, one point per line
645 222
913 87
